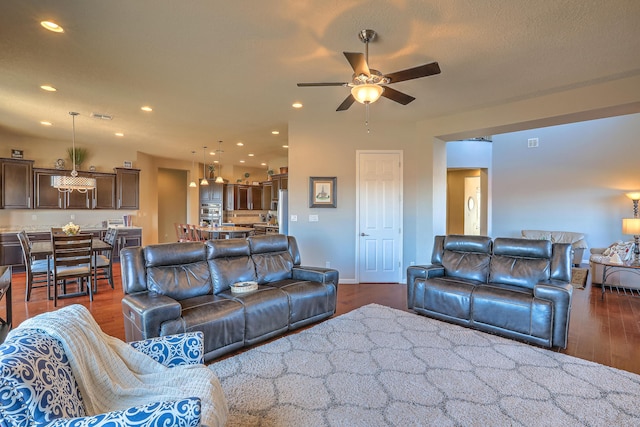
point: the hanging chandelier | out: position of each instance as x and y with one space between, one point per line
193 184
219 179
66 184
204 181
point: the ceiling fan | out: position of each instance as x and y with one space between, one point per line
367 84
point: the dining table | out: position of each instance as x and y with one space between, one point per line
224 231
44 249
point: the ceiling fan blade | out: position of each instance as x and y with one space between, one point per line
414 73
397 96
346 103
358 63
322 84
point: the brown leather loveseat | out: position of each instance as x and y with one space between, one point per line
183 287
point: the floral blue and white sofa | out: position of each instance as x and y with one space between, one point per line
38 386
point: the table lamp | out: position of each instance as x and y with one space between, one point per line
634 196
632 226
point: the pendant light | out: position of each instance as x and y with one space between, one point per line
193 184
204 181
219 179
66 184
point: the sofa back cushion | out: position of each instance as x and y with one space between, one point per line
178 270
229 262
520 262
36 382
272 258
466 257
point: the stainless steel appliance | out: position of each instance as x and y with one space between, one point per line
211 213
283 211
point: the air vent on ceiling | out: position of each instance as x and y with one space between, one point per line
101 116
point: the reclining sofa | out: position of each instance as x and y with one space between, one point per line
517 288
183 287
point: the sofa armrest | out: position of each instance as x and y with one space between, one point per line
174 350
144 313
560 294
185 413
315 274
420 272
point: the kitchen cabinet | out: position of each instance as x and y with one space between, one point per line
127 237
212 193
17 183
128 188
46 196
279 182
104 196
243 197
267 192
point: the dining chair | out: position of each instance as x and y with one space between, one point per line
38 271
195 235
182 232
104 260
57 230
72 259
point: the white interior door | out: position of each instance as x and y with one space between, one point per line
472 199
379 216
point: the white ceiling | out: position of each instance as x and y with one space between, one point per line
227 70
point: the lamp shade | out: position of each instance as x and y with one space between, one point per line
634 195
367 93
631 226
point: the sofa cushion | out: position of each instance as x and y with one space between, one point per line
221 320
520 262
513 310
180 281
307 299
447 296
466 265
36 373
229 262
272 258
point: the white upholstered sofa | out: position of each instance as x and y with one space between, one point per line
623 278
577 240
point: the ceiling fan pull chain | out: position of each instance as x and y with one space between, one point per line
366 119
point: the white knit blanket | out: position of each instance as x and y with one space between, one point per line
112 375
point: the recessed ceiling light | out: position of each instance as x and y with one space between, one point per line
250 154
146 108
285 146
241 161
46 123
297 105
48 88
216 161
240 144
275 132
263 164
52 26
119 134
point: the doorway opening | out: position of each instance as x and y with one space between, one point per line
467 201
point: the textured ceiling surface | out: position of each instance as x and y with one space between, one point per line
227 71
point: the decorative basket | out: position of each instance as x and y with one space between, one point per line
244 287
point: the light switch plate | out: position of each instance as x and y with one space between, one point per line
294 218
313 218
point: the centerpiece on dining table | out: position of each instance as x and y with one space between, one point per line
71 229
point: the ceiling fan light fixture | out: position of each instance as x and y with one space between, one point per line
367 93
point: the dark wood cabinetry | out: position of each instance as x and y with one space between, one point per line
104 196
279 182
17 184
212 193
127 188
46 196
243 197
267 195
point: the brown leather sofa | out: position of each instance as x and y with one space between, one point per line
183 287
517 288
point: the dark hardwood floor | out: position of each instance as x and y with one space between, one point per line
604 331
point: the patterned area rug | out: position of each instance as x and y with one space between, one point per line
579 277
377 366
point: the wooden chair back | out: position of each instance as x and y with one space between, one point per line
72 259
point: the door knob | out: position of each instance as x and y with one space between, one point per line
362 234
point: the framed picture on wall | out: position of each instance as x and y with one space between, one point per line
322 192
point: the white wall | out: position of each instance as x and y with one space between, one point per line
574 181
